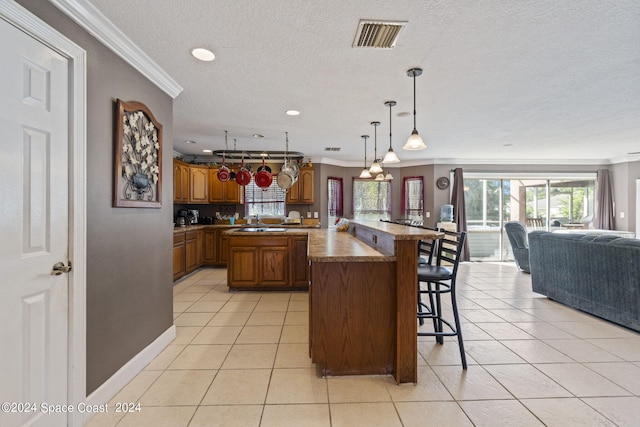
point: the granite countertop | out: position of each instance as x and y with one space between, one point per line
227 226
336 246
398 231
266 231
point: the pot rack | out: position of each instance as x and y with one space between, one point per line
257 155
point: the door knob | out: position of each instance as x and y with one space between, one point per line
59 268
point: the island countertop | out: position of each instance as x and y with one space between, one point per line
336 246
266 231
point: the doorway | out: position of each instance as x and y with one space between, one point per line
544 202
43 119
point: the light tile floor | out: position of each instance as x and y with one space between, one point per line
241 359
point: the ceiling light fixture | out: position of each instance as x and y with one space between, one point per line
207 151
203 54
292 113
365 174
375 166
414 142
390 157
189 141
388 176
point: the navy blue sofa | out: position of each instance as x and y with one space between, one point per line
596 274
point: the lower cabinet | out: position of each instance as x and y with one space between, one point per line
210 244
178 256
188 252
192 252
299 264
267 262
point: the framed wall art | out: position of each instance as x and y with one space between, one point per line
138 157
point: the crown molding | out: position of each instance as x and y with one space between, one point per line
99 26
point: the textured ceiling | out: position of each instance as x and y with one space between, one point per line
504 81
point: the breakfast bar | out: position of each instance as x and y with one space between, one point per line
363 299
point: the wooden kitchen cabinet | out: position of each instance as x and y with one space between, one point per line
299 265
224 192
210 247
223 247
178 256
198 184
267 262
302 192
273 265
180 182
245 266
192 254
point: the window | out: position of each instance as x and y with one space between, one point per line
412 198
371 199
334 199
269 201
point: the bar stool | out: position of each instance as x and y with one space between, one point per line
441 280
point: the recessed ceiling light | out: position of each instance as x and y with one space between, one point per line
257 135
508 145
404 114
203 54
292 112
207 151
189 141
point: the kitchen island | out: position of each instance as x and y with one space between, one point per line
363 299
362 290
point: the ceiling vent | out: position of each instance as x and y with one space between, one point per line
331 148
378 34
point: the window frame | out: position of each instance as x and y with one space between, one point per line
273 189
333 214
404 209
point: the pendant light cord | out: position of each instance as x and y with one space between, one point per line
414 100
391 105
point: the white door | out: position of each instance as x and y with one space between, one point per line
33 230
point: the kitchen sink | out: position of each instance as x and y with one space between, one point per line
258 230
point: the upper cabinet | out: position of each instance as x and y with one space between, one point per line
302 192
224 192
180 182
198 184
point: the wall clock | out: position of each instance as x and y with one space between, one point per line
442 183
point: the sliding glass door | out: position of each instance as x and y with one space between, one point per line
540 203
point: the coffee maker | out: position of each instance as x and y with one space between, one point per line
193 215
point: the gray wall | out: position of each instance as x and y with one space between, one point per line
129 273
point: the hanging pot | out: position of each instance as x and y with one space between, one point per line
243 177
264 168
287 176
263 177
285 179
292 168
223 173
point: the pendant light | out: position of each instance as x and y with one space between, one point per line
391 156
388 176
365 172
375 166
414 142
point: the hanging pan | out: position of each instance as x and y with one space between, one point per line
224 173
243 176
263 177
286 177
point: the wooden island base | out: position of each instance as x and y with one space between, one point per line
354 319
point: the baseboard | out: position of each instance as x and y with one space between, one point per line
133 367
